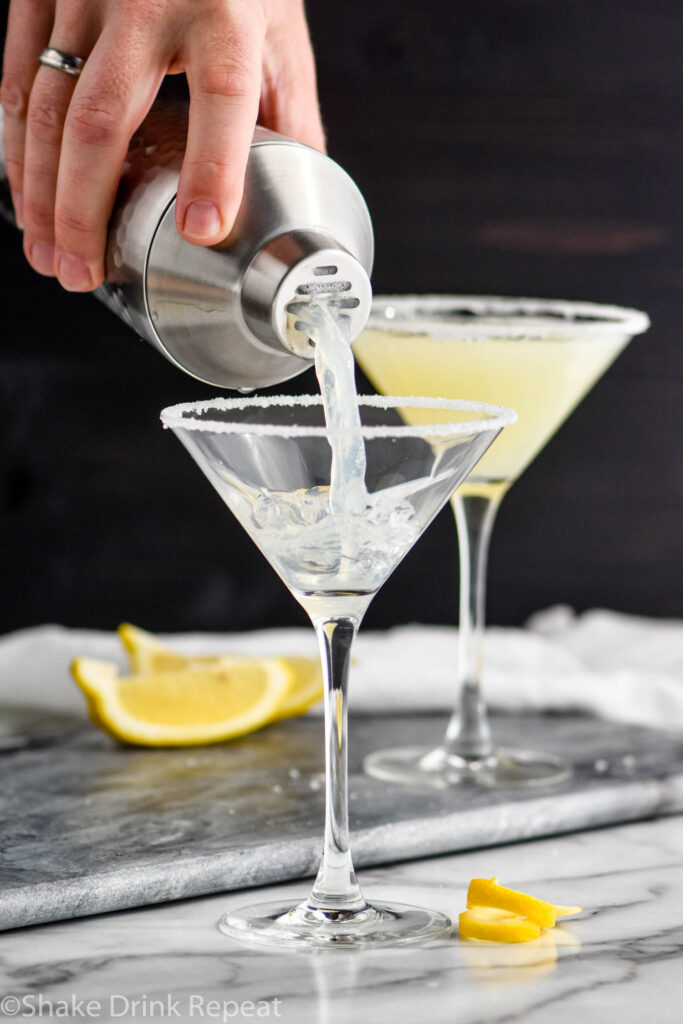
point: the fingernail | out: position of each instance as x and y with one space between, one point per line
42 257
73 274
202 219
18 202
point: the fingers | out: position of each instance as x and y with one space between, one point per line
28 33
112 96
50 98
223 67
289 100
76 131
66 138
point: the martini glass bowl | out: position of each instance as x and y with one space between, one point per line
270 460
541 357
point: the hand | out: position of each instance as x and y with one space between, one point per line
66 137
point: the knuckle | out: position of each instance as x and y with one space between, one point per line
13 99
233 79
45 121
73 222
142 12
14 162
37 214
213 168
215 176
94 123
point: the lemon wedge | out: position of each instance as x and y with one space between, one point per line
307 689
146 653
185 706
485 892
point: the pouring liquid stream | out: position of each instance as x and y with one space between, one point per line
339 538
334 366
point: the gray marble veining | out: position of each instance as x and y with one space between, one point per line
87 826
619 961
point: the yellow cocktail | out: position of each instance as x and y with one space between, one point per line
539 358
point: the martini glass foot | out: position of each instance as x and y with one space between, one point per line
436 767
305 927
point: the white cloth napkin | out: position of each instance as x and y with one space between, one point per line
609 664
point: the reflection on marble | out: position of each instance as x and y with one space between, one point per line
87 826
618 961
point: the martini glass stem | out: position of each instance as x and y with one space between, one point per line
468 735
336 889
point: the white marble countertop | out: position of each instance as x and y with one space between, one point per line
618 961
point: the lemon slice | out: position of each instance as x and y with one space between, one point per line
485 892
307 689
185 707
496 925
147 654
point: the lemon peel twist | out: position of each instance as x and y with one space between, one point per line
498 914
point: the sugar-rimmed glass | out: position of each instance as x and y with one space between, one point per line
541 357
270 460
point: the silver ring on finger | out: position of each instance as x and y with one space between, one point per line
60 61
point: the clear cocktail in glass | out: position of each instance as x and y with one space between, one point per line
271 462
540 357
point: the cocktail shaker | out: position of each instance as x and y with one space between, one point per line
233 314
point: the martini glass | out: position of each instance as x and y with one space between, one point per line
540 357
271 462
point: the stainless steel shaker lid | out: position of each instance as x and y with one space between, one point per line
228 314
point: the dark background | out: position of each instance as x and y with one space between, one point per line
513 147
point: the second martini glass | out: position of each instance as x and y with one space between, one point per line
271 462
540 357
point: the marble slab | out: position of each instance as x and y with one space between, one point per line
87 826
619 962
